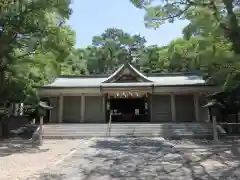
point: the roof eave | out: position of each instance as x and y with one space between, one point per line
139 73
187 85
67 87
114 74
99 86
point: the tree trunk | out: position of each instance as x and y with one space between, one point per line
2 83
2 77
233 28
235 39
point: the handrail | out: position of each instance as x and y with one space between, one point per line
109 124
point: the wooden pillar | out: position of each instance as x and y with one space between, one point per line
60 112
50 112
103 103
41 131
150 106
173 107
104 106
82 108
196 107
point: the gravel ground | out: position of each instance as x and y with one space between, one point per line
190 141
145 159
201 141
19 160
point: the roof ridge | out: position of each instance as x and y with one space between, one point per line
84 76
146 75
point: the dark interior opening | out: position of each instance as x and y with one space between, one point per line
129 110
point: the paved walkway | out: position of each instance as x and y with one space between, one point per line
19 160
144 159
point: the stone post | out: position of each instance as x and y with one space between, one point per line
41 131
215 132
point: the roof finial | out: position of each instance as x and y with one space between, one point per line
132 55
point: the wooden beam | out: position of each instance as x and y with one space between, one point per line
125 89
127 94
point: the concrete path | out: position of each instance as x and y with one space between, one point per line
19 160
144 159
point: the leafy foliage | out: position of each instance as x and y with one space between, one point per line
214 16
33 40
111 49
36 45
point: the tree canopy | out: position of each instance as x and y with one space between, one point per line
36 44
218 17
33 41
211 39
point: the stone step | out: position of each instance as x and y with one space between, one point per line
113 127
122 125
124 129
116 126
121 133
124 135
128 124
147 129
124 132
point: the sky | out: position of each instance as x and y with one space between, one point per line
92 17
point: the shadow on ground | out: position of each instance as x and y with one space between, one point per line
13 146
151 159
51 176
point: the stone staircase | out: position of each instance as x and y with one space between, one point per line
166 130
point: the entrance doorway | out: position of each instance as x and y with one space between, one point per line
128 110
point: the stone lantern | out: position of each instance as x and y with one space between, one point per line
41 112
42 109
215 108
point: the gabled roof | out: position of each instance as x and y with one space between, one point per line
120 71
180 79
165 79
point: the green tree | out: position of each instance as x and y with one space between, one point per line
75 63
110 49
27 31
154 59
220 15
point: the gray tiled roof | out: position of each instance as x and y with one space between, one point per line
164 80
178 80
